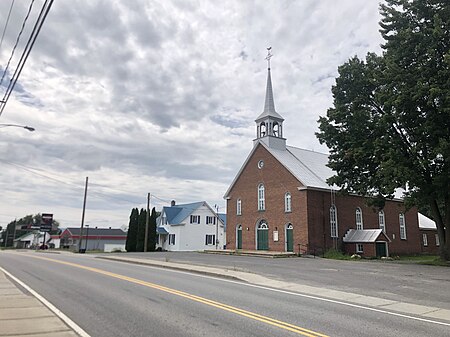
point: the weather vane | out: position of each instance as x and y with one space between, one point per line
269 55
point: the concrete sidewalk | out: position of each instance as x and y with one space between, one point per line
22 314
380 304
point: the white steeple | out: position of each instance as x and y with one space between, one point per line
269 124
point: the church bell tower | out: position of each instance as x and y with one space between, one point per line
269 124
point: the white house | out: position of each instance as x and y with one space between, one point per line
31 240
190 227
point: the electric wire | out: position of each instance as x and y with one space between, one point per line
6 24
34 34
17 41
79 187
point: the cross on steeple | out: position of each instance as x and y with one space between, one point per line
269 55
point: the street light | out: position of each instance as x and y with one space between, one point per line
29 128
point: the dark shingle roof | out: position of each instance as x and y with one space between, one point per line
98 231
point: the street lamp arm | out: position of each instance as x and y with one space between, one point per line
29 128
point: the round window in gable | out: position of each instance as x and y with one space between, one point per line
260 164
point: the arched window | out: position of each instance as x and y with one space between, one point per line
262 129
276 129
401 220
333 222
261 198
287 202
381 221
359 219
238 207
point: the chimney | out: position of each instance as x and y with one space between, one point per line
172 203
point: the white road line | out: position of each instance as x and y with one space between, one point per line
55 310
296 294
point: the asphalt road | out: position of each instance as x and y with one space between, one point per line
420 284
117 299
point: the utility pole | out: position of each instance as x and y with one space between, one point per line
82 217
146 222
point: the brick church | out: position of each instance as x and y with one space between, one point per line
280 201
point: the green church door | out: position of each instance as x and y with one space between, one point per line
289 238
262 236
239 237
381 249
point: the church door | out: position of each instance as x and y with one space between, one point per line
239 237
289 238
262 236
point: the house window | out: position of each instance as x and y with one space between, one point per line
425 240
171 239
359 248
401 220
359 220
333 222
238 207
210 220
381 221
210 239
261 198
287 202
195 219
436 237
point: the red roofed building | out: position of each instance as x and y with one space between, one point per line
104 239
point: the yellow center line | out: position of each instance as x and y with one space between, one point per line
226 307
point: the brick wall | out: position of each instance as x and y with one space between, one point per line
431 236
319 203
277 181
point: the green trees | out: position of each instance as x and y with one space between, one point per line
390 123
141 230
136 231
151 241
130 244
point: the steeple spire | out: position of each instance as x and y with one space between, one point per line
269 105
269 125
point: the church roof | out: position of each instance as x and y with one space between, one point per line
309 167
269 105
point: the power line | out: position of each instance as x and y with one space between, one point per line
92 192
17 40
32 39
6 24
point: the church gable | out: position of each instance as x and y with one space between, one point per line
262 167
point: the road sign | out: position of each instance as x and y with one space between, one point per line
46 223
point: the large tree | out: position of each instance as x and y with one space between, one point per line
141 230
130 244
390 123
151 239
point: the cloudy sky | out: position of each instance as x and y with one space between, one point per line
161 97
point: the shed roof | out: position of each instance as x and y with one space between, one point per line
425 222
364 235
97 231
